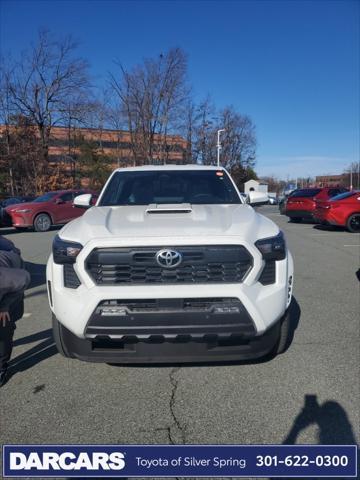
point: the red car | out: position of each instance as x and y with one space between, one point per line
342 210
52 208
301 204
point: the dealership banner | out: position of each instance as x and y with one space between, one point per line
179 461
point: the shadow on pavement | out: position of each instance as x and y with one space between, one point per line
329 228
33 338
8 231
37 272
35 355
332 420
357 273
303 221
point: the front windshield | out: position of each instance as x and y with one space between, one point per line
170 187
45 198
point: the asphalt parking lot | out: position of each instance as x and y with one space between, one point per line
310 394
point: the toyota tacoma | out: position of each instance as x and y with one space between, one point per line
170 265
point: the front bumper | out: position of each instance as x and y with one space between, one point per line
170 319
179 348
21 220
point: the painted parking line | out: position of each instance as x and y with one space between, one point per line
351 245
334 234
26 315
302 227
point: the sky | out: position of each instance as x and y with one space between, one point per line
292 66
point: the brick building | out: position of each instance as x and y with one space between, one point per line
64 145
332 180
115 144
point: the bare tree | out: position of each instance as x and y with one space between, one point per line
21 152
45 82
238 140
187 126
204 142
117 120
151 96
6 112
352 175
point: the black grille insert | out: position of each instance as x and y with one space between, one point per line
268 275
138 265
71 280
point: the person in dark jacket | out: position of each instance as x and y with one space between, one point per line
13 282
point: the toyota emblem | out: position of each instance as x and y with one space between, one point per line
168 258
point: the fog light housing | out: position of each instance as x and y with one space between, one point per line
113 311
226 309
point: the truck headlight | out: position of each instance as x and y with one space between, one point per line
64 251
273 248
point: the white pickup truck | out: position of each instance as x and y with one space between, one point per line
170 265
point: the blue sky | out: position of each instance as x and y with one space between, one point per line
293 66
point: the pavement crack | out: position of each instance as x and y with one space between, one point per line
176 428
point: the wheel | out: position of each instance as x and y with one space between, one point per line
353 223
57 336
282 342
295 219
42 222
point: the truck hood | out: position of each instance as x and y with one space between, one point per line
176 221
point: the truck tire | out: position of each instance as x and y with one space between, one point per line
57 336
282 342
42 222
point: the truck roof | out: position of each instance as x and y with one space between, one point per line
190 166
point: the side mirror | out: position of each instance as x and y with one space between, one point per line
83 201
58 201
258 198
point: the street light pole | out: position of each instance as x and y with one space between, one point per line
218 145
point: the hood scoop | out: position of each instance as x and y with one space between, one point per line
164 208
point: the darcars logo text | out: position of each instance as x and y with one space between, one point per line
67 461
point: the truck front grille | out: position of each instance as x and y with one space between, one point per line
205 264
